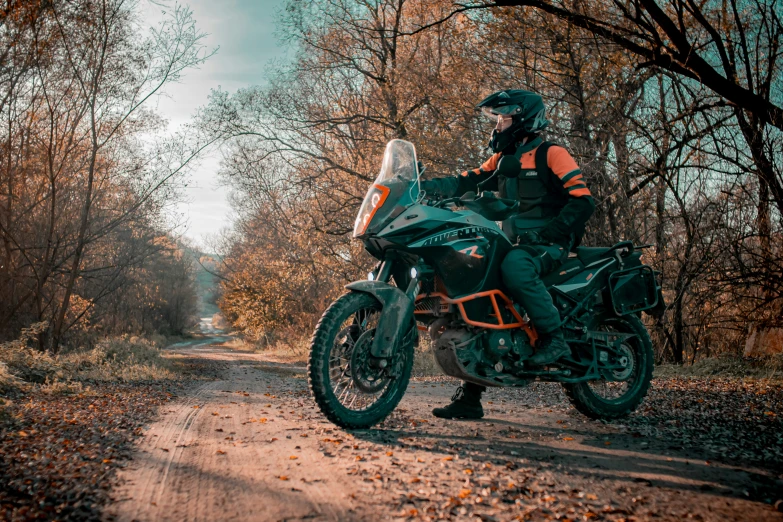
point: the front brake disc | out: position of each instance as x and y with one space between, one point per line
367 378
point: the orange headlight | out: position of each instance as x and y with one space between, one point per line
372 202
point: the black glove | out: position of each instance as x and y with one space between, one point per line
430 186
551 236
531 237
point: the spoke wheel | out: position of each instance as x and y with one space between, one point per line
347 388
625 388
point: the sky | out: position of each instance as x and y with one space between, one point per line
244 32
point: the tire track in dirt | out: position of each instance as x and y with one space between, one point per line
233 449
253 446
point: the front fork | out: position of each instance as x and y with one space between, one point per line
385 269
392 332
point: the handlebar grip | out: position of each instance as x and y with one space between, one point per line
623 244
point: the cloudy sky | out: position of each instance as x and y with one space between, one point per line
244 31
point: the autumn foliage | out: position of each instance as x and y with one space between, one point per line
670 161
87 171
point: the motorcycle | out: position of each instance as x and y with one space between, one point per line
439 272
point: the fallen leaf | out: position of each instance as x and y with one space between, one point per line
389 453
220 452
283 477
293 457
568 438
465 493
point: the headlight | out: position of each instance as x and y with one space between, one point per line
414 273
371 276
372 202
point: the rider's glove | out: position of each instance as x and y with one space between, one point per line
430 186
531 237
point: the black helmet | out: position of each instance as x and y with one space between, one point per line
526 109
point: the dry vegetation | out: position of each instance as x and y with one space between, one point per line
120 359
87 171
672 155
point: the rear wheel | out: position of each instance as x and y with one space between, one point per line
625 389
348 390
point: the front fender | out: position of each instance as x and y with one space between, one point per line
397 314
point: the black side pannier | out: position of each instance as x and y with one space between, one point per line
633 290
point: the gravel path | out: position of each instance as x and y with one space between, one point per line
252 446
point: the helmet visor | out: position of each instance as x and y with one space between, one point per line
506 110
490 113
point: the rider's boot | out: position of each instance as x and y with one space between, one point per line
551 346
465 404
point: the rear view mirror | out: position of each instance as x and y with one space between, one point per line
468 196
509 167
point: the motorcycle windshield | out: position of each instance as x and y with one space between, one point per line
396 185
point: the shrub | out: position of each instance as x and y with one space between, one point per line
114 359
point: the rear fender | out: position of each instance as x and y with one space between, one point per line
397 313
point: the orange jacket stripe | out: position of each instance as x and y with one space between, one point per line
492 163
584 191
469 172
574 181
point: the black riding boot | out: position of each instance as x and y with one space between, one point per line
465 404
550 347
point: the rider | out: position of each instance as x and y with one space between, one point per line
555 204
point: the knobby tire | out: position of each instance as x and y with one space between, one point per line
584 399
318 367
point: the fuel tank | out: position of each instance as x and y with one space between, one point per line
463 247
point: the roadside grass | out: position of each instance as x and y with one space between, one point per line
288 351
424 364
121 359
297 351
67 421
769 368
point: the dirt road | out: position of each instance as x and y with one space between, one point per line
252 446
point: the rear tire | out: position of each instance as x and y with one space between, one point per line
320 368
585 399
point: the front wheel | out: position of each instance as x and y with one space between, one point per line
611 399
348 390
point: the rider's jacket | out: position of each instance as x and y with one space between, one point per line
553 196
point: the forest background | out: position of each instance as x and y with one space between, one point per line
672 110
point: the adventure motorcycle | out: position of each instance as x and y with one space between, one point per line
440 267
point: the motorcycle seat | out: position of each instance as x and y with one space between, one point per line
589 255
567 270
